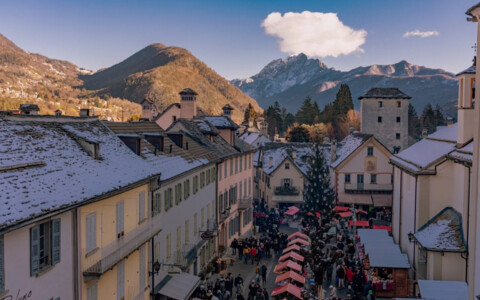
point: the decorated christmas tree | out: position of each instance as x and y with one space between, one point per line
318 195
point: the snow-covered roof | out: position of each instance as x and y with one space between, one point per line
445 133
44 165
443 232
205 127
221 122
278 152
385 93
255 139
443 290
464 154
348 145
381 249
469 70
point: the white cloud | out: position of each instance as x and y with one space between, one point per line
422 34
313 33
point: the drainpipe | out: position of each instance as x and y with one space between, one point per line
76 291
468 224
415 228
400 206
152 293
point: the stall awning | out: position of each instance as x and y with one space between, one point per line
341 208
360 223
297 235
288 288
292 248
345 214
298 241
361 211
287 264
292 210
388 228
443 290
293 255
290 275
177 286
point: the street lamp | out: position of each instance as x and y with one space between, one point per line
155 268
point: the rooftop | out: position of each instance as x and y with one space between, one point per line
348 145
44 167
385 93
188 91
221 122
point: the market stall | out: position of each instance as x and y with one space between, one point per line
287 266
298 241
290 277
386 266
291 248
359 223
346 214
292 256
289 289
297 235
341 208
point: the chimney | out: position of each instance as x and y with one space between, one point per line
333 151
294 154
270 162
424 133
250 122
58 112
227 111
85 112
147 109
188 104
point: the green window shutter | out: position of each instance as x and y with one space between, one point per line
34 250
55 241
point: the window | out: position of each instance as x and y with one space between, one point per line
373 178
195 222
202 219
249 186
241 190
250 161
202 179
396 149
399 104
379 119
207 177
220 172
119 219
398 119
178 193
220 202
213 174
195 184
91 232
245 163
370 151
156 204
231 166
359 178
236 165
225 169
241 157
347 178
174 118
187 233
141 206
169 246
380 104
397 136
287 166
186 189
157 251
287 183
245 187
168 198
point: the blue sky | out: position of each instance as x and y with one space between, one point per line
228 36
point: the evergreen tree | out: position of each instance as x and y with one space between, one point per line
317 193
414 129
298 134
343 101
308 112
429 120
439 117
249 113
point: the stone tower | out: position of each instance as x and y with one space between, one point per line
385 115
188 104
466 104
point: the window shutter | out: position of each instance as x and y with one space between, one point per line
165 198
55 241
157 251
119 217
142 269
92 292
34 250
91 232
141 206
2 266
121 280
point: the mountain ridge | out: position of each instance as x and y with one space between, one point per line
425 85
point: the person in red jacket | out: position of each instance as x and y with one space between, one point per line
253 254
350 276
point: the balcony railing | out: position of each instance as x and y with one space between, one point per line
104 258
286 191
368 187
244 203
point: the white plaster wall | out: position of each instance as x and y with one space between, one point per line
59 278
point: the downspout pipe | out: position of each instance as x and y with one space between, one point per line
415 228
468 223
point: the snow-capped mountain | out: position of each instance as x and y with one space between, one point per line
290 80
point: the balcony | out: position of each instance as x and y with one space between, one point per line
255 179
368 187
286 191
104 258
244 203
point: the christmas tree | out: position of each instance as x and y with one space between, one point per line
318 195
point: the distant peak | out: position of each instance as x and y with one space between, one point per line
157 45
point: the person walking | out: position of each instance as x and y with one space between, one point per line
252 290
234 245
246 254
341 277
239 283
229 283
371 295
253 254
263 273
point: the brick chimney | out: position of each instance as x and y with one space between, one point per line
188 104
85 112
